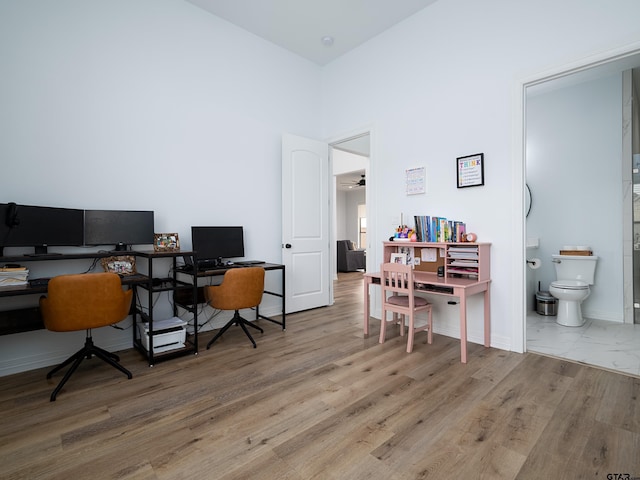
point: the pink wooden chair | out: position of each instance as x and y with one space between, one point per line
398 297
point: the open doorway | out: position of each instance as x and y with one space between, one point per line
607 87
350 163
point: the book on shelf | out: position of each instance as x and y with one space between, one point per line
438 229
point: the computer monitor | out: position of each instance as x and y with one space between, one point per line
120 228
39 227
213 244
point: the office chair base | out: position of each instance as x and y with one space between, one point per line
88 351
237 320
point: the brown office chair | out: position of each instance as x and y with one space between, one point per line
82 302
398 297
240 288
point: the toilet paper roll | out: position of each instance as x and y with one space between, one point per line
534 263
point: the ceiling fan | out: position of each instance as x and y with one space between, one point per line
362 182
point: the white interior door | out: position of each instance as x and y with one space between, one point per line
305 222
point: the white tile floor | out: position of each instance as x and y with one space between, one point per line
611 345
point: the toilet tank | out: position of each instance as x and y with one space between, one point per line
575 267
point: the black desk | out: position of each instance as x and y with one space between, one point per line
217 271
28 319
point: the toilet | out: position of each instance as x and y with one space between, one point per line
574 274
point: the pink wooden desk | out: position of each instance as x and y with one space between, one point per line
456 287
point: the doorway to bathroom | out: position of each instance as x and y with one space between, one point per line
580 177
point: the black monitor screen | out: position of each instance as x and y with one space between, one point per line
212 243
34 226
118 227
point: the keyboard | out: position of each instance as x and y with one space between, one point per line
207 265
250 262
133 277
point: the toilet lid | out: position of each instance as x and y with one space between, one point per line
570 284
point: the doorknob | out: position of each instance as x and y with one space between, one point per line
287 245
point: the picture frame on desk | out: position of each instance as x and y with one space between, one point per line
470 170
400 258
120 264
166 242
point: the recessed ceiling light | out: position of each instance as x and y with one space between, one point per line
327 40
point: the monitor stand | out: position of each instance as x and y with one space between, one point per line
40 251
120 247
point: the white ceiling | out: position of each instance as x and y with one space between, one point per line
300 25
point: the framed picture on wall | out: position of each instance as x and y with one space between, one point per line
470 170
416 180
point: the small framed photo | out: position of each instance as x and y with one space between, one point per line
166 242
470 170
122 264
399 258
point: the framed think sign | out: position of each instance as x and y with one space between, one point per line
470 170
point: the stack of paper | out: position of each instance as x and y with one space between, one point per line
10 276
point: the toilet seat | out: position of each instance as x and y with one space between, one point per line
570 284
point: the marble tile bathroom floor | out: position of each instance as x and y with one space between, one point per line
611 345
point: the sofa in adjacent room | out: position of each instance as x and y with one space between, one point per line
350 259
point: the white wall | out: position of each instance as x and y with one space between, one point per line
574 170
152 104
442 84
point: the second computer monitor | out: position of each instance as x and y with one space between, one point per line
217 243
120 228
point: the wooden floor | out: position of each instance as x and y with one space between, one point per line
319 401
